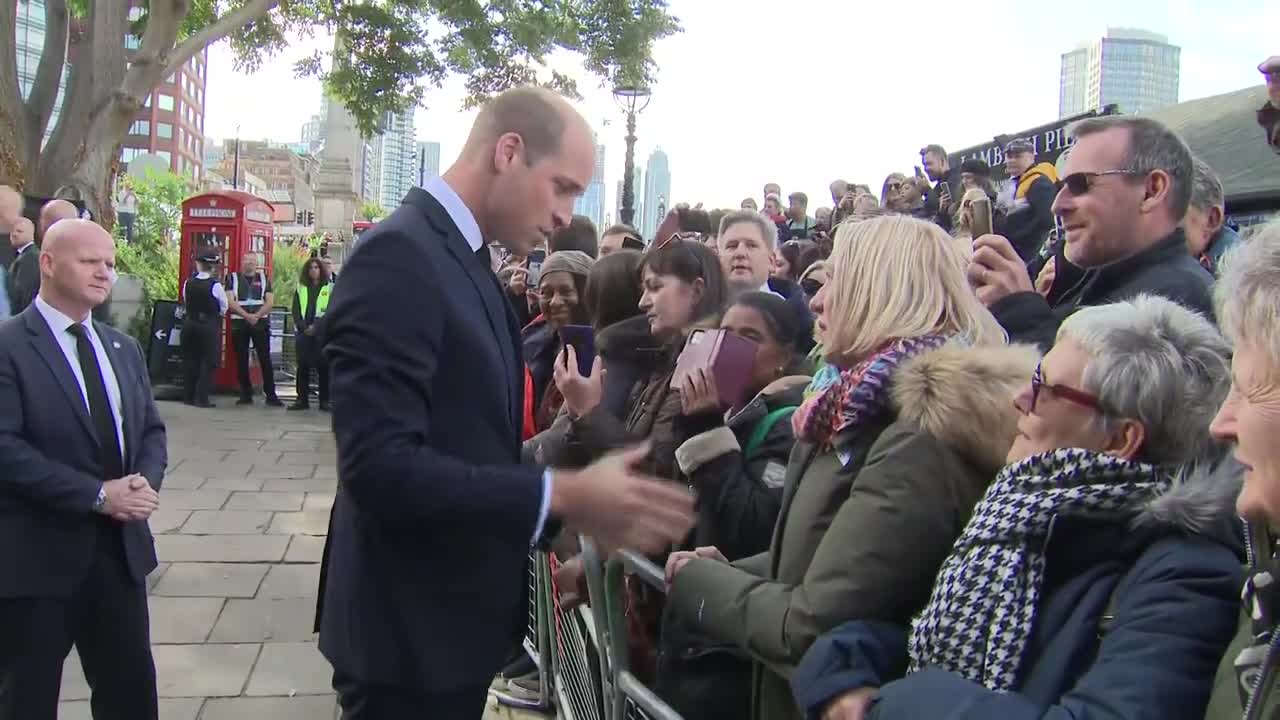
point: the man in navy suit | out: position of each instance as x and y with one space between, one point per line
425 580
82 449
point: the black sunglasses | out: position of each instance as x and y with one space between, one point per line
1079 183
810 286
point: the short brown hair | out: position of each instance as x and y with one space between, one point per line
533 113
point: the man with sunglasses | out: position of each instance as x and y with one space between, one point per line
1030 217
1125 193
1269 113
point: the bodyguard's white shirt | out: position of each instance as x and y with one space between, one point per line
462 217
58 323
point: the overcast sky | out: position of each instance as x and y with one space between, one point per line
805 91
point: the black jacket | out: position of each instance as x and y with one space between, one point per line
427 569
794 296
739 495
933 200
50 459
24 279
1165 269
1027 227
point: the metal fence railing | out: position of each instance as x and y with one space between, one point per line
582 654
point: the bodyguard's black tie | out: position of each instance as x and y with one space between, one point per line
104 422
485 257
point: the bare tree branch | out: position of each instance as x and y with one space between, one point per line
224 26
44 89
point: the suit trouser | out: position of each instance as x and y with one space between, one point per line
379 702
105 619
260 335
199 352
310 358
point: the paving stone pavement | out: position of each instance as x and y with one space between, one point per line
244 510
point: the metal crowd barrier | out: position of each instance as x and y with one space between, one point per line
582 653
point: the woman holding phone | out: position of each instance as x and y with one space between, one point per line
561 289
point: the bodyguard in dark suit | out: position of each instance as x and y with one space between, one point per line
24 272
424 587
83 451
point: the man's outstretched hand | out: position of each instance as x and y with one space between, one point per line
620 507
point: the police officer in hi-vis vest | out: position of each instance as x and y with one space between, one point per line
205 304
310 302
250 298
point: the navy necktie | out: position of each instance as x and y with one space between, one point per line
104 421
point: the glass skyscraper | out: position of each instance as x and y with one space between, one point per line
591 203
1134 69
657 193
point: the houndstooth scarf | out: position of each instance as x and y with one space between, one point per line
979 618
839 400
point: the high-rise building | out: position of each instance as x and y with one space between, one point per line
313 133
637 201
398 162
428 162
1134 69
29 45
171 121
591 203
657 192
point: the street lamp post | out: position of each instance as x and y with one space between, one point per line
633 99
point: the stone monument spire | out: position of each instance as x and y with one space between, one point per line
337 196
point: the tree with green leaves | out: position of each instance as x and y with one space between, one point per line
393 51
372 211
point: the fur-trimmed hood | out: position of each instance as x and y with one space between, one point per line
1202 500
963 396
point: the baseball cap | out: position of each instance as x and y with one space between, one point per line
1019 145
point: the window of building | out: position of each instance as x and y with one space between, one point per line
131 42
165 102
140 127
146 103
168 157
164 130
127 154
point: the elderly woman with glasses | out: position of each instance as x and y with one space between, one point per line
1248 293
1098 575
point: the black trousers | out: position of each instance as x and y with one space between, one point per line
310 358
199 354
377 702
260 336
105 619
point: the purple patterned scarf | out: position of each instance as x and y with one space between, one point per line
840 400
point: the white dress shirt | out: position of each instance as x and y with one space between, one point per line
462 217
58 324
218 293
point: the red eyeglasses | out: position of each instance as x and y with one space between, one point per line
1079 397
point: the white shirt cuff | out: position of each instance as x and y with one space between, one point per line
543 508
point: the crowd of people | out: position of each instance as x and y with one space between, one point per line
987 456
972 475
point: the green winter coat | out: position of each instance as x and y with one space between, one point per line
863 538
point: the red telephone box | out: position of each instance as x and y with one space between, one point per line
231 223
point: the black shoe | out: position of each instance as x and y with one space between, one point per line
205 404
245 400
324 407
274 402
300 406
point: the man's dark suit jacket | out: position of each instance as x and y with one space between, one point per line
426 576
49 468
24 280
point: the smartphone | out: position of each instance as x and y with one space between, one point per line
981 208
536 258
582 338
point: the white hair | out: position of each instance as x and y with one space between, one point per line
768 230
1154 361
1247 293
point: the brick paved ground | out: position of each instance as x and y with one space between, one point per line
244 509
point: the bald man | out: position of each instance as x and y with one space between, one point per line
83 452
425 581
24 271
53 211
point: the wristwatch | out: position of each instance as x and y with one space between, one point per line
101 501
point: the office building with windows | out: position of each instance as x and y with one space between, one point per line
428 162
29 34
591 203
1134 69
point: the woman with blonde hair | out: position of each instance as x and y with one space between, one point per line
897 439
